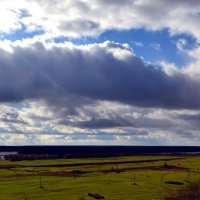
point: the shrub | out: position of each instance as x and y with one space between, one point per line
191 192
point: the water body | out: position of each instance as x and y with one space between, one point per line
7 153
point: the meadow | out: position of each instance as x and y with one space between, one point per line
115 178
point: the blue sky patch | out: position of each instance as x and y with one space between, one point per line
154 46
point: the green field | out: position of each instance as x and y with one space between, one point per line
128 178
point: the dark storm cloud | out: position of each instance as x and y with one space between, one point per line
103 123
185 133
71 77
192 119
12 118
195 117
122 122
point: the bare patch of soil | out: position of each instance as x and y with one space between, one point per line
169 168
62 173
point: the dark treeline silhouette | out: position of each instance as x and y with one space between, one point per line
98 151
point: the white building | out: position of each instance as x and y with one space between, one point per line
2 157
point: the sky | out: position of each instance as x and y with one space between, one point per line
98 72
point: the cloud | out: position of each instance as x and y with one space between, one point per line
85 18
12 118
181 44
98 123
70 76
138 44
103 123
190 117
74 94
156 46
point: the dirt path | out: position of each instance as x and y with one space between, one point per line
76 173
91 163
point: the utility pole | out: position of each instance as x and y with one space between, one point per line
187 178
41 182
146 173
134 183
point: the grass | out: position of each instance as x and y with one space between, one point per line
113 181
191 192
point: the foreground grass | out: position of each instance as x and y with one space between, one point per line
129 181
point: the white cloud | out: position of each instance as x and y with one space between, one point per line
156 46
169 68
84 18
150 126
10 17
138 44
181 44
193 69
